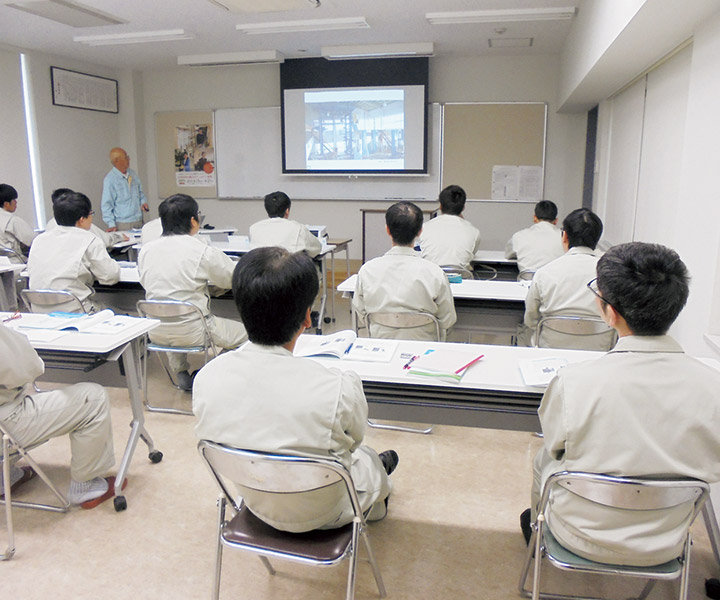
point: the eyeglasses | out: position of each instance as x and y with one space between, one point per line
592 286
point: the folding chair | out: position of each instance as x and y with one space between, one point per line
484 272
578 333
169 313
13 255
629 493
401 322
283 474
46 300
526 275
12 450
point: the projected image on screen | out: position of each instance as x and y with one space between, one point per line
355 129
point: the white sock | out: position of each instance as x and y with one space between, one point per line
82 491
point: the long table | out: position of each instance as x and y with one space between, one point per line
83 351
495 307
492 394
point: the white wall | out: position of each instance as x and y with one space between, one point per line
74 143
451 79
14 149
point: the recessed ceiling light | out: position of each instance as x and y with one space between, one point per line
500 16
306 25
168 35
67 13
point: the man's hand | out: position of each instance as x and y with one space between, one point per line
111 229
145 207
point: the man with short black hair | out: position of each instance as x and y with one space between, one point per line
262 398
643 409
448 239
108 239
279 230
15 233
539 244
69 257
559 288
401 280
178 266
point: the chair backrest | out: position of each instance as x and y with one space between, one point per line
12 254
484 272
576 332
631 493
458 270
526 275
402 321
273 472
50 298
167 310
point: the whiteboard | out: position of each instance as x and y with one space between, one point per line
248 161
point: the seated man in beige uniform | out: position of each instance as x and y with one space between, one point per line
108 238
643 409
69 257
178 266
539 244
448 239
261 397
15 233
279 230
559 288
401 280
81 410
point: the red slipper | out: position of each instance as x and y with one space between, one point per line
28 474
106 496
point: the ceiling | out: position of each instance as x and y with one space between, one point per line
213 28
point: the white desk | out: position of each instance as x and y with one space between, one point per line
8 295
495 307
83 351
492 393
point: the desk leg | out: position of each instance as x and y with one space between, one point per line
713 530
323 300
131 360
332 284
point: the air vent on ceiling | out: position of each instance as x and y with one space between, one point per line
67 13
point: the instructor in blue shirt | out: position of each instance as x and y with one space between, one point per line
123 199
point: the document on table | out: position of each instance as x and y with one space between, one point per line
539 372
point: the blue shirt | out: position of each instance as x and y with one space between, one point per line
122 201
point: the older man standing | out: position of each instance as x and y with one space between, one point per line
123 199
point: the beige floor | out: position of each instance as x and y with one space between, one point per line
451 532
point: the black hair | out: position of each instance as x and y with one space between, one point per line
452 200
68 209
7 194
648 284
546 210
273 290
583 228
176 213
59 192
404 220
276 203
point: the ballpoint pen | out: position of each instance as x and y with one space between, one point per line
411 361
15 315
470 364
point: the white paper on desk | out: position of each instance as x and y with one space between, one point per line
41 335
372 350
539 372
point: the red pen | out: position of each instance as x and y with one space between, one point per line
470 364
15 315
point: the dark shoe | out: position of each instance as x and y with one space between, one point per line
389 460
184 381
27 475
712 589
525 525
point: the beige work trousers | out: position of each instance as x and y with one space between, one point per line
226 334
81 410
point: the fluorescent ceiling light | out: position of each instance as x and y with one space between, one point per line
232 58
67 13
377 51
510 42
501 16
168 35
253 6
307 25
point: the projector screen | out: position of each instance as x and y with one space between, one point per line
361 117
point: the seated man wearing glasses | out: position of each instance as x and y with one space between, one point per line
643 409
261 397
559 288
69 257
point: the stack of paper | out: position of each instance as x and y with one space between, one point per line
539 372
444 364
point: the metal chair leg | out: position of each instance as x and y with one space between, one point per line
376 425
